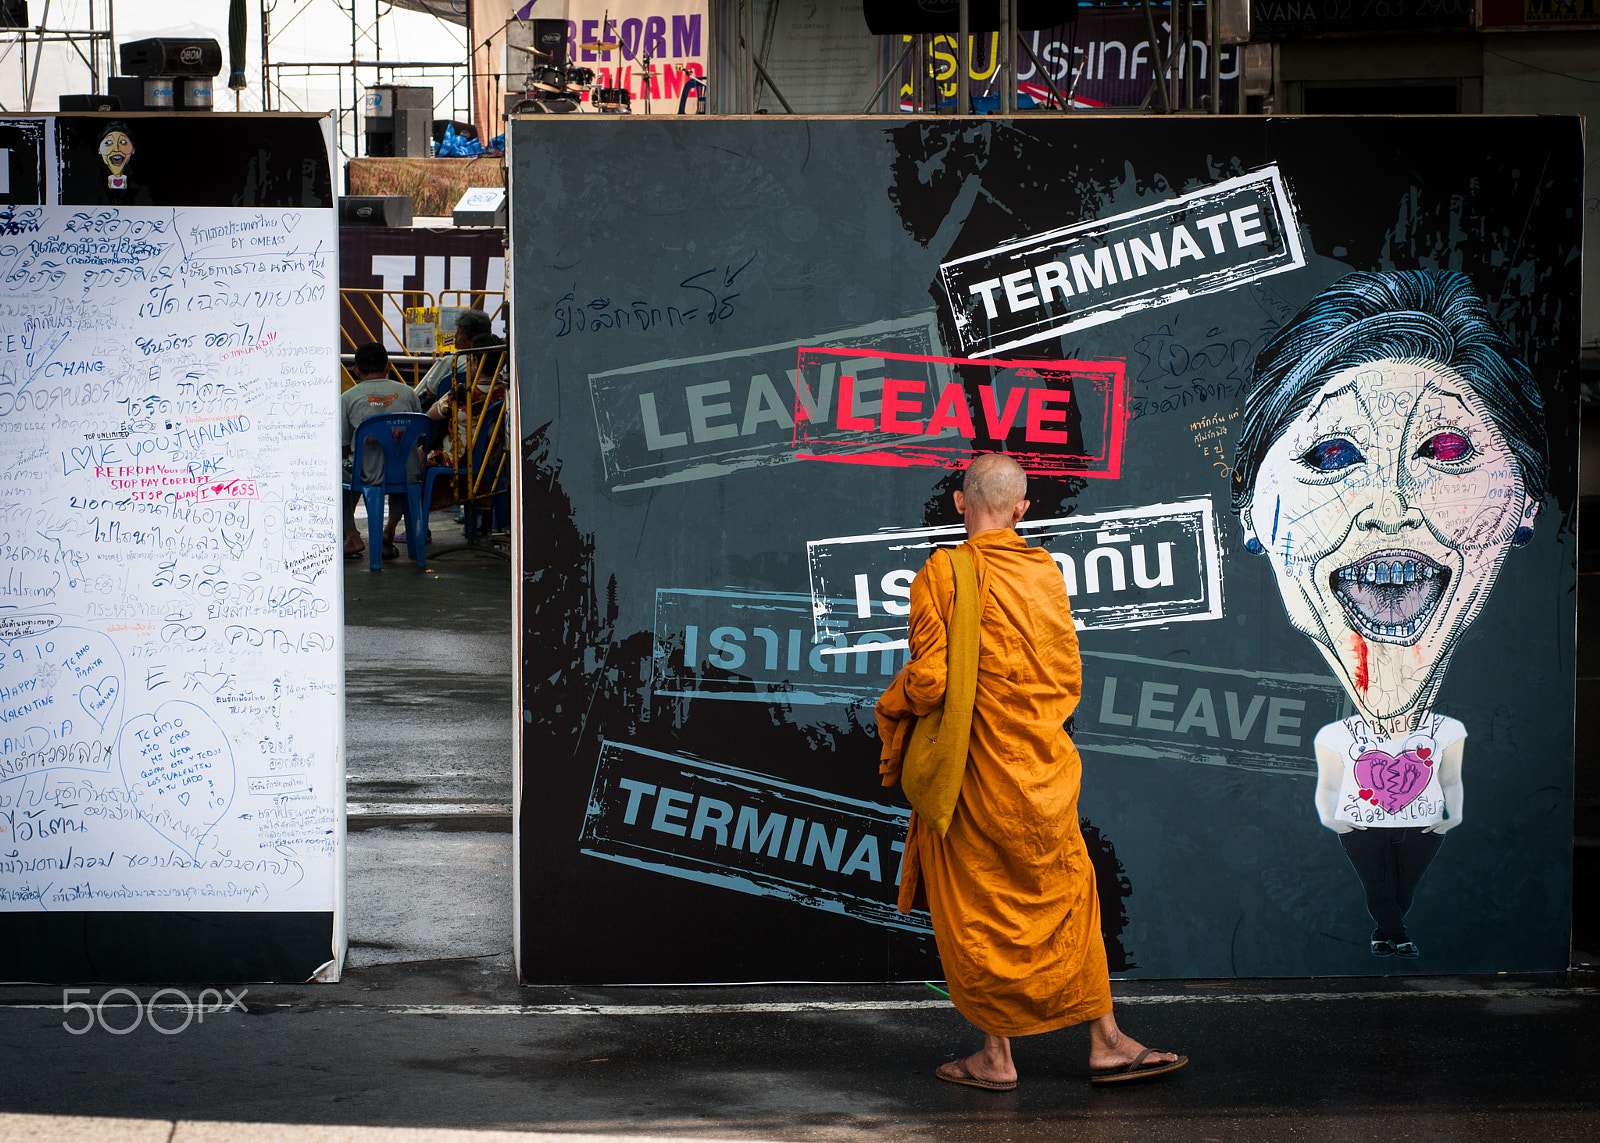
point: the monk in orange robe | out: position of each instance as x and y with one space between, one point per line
1010 887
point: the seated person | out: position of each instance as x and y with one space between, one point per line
478 354
374 394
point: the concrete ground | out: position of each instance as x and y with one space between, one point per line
428 1039
428 730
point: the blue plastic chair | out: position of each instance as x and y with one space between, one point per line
398 434
487 440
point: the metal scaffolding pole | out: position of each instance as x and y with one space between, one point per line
38 54
1008 71
365 59
919 85
1055 92
92 45
1188 54
892 74
267 8
759 62
1214 59
1158 64
766 50
747 58
964 59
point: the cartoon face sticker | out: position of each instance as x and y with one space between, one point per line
116 149
1391 455
1387 509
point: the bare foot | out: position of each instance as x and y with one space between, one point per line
977 1067
1110 1047
990 1066
1126 1051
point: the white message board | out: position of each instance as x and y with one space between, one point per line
171 680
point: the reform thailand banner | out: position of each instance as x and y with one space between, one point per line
660 46
673 34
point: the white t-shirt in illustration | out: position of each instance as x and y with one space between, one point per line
1391 782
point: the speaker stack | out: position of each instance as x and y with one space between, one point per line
167 74
399 122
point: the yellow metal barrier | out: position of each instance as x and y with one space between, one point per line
371 315
475 450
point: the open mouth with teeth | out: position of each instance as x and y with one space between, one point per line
1389 596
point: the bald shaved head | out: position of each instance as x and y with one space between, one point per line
995 484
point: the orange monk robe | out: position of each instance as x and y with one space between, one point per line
1009 886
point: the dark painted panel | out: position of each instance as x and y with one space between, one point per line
679 534
198 160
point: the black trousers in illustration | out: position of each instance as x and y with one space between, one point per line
1390 863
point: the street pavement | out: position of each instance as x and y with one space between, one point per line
452 1044
428 1035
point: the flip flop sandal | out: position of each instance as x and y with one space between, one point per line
969 1080
1136 1070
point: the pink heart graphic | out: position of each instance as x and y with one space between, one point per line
1395 782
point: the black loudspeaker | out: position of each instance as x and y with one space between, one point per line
128 90
14 14
172 57
550 37
89 103
413 132
410 135
905 17
375 210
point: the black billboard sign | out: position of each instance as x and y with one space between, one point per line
742 419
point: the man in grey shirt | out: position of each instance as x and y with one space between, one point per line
374 394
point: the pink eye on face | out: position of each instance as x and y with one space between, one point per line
1445 446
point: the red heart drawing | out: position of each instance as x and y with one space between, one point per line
1366 795
1423 752
1395 782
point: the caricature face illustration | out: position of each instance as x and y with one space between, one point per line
115 151
1392 454
1387 509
